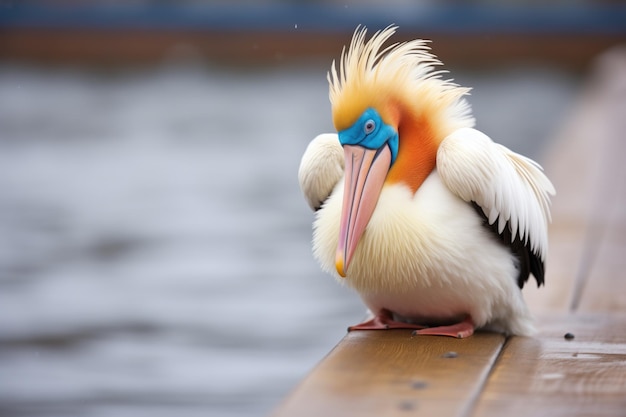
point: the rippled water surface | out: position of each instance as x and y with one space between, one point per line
155 250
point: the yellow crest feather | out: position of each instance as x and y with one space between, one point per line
401 75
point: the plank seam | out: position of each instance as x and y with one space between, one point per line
473 403
597 226
593 237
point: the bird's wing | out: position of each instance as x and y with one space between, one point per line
321 168
510 189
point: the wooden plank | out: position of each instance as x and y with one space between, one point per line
549 375
605 286
552 376
586 166
391 373
572 207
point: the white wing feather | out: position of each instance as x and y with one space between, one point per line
321 167
507 186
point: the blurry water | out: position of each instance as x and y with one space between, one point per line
154 246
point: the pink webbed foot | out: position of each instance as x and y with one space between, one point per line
458 330
383 321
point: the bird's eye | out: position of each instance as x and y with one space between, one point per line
369 126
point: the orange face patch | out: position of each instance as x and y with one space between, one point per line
417 153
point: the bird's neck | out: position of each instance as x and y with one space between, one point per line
417 153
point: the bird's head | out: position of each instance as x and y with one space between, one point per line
391 110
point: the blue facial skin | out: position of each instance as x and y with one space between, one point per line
370 132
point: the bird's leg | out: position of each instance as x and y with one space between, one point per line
458 330
383 320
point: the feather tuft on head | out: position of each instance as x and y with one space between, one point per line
401 77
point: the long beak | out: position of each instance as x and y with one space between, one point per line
366 170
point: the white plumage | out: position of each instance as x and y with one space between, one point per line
426 256
321 168
507 186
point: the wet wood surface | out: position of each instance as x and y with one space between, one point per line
576 364
391 373
554 375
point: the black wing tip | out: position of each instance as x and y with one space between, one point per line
535 267
530 262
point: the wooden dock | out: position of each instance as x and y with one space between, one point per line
105 33
391 373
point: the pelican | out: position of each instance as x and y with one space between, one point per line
435 226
